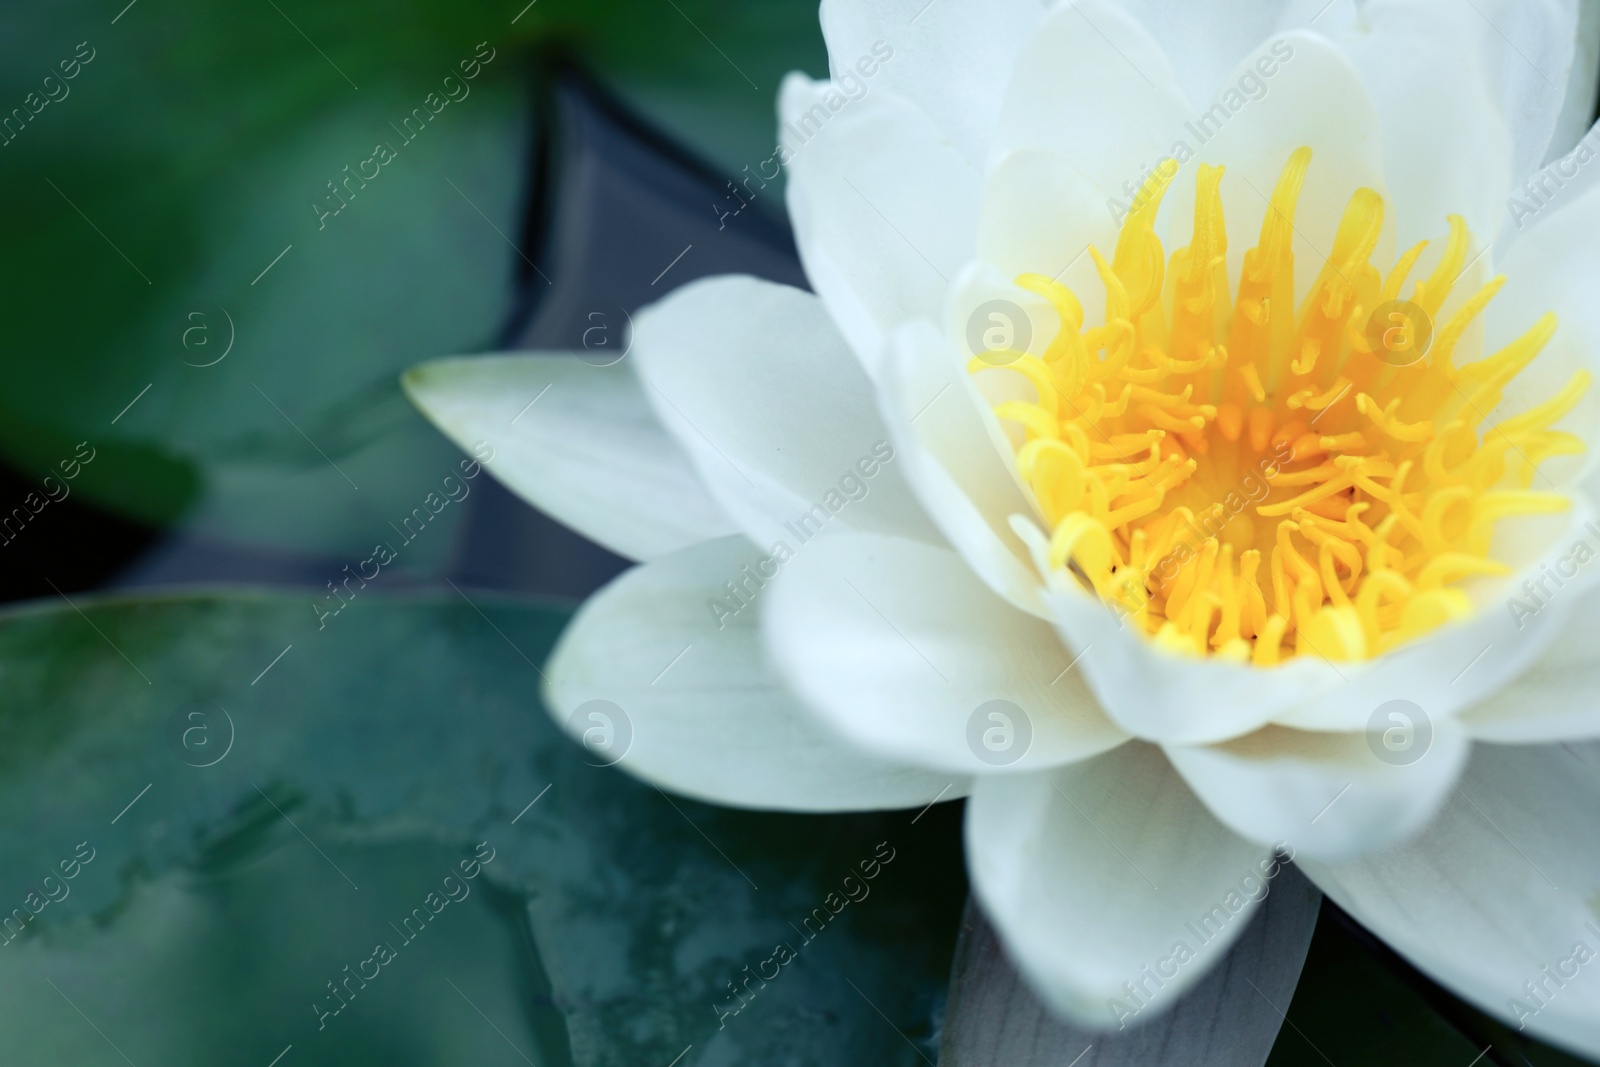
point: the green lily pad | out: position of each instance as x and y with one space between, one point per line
202 284
250 803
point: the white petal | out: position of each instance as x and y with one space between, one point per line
1502 885
1040 215
1577 111
1527 48
1093 86
901 649
1095 871
1206 40
693 705
1333 796
1422 67
778 417
1554 700
946 58
994 1018
1552 188
576 441
884 208
957 459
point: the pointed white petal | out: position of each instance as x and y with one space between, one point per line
1096 871
687 701
1229 1019
1499 888
901 649
1334 796
576 441
884 207
777 415
947 59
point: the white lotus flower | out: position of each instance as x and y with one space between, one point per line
1201 555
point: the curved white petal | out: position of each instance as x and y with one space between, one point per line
943 57
884 207
1204 41
1528 48
1096 871
1553 187
1577 111
689 702
957 459
576 441
778 417
1175 699
994 1018
1554 700
901 649
1093 86
1329 795
1421 63
1501 886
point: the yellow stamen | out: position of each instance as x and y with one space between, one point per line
1248 479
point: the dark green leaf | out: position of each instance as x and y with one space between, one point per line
376 753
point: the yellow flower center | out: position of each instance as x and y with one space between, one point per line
1254 482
